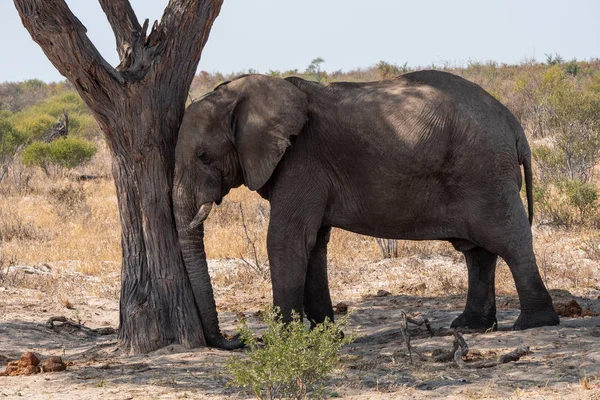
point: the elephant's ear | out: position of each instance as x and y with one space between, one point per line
268 112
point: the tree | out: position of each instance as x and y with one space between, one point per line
314 68
139 106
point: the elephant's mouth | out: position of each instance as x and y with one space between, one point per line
200 216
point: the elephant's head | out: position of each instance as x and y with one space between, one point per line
234 135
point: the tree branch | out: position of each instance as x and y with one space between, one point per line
63 39
126 28
186 18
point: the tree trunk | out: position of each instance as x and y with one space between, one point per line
139 106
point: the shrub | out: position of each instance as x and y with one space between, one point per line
572 67
71 152
567 202
64 153
574 117
11 141
386 70
293 361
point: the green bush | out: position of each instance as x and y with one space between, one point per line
567 202
38 119
65 153
71 152
574 118
10 137
572 67
293 361
11 142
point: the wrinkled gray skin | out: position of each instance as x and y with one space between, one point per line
428 155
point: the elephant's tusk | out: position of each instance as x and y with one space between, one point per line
201 216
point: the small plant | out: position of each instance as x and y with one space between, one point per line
293 361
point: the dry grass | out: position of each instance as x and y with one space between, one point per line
67 224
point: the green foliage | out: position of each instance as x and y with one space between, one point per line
71 152
555 59
583 196
572 67
293 360
314 68
10 137
36 120
575 117
567 202
66 153
37 154
386 70
11 142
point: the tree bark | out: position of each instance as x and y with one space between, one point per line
139 106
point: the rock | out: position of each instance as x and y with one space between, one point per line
382 293
54 364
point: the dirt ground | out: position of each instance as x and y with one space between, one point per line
565 360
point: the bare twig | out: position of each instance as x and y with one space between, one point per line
71 326
404 320
461 348
251 243
420 322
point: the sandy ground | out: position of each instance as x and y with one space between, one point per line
565 362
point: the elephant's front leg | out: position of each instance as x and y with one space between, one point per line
480 311
289 244
317 300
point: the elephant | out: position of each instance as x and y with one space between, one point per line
425 156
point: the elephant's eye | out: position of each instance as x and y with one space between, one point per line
204 157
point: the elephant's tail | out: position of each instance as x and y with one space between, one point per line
528 186
524 157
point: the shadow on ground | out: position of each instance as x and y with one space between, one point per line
378 362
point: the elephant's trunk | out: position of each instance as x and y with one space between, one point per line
191 239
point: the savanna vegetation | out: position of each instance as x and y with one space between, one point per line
557 102
58 205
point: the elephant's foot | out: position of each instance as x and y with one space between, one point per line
221 342
475 321
534 319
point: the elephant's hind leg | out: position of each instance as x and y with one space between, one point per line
512 240
317 301
480 311
536 304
